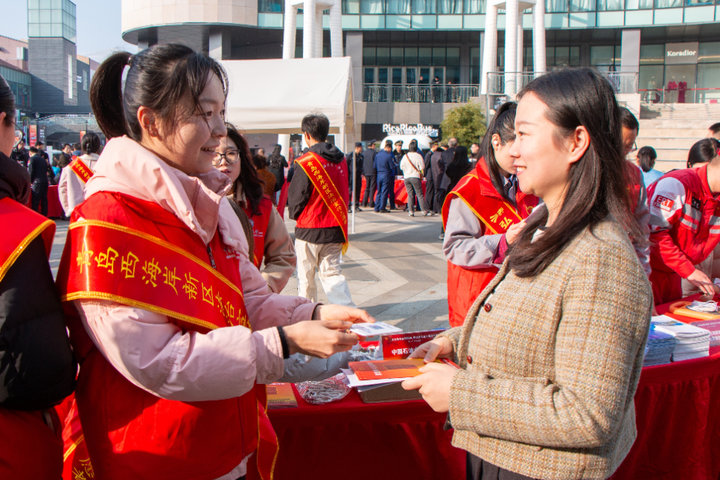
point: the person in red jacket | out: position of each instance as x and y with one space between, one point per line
482 215
685 227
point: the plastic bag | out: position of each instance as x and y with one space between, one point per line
325 391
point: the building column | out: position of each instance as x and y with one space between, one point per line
489 56
290 30
539 53
309 20
319 38
336 38
215 45
520 48
354 48
511 37
630 61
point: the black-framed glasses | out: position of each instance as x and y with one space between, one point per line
231 157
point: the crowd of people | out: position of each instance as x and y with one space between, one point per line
176 253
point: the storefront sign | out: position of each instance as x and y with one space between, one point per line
681 53
407 129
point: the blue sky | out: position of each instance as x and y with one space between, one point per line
98 26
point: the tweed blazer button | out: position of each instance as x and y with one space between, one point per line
469 359
487 307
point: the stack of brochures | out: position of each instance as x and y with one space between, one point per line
713 326
690 341
659 347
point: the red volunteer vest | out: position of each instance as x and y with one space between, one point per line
260 226
496 215
136 253
328 202
29 448
694 229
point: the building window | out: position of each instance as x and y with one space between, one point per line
398 7
556 6
450 7
270 6
668 3
582 5
351 6
423 7
371 7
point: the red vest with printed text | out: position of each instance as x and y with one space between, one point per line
496 215
260 224
694 228
129 432
30 448
317 213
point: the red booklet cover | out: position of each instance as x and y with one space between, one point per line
401 345
387 369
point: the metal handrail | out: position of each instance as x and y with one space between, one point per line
419 93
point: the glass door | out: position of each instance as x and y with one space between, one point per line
680 83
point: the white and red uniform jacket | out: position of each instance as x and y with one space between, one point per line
685 228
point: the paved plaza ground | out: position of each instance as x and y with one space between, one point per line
394 266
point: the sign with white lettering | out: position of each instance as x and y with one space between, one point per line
681 53
407 129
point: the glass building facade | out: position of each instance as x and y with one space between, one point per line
422 42
51 18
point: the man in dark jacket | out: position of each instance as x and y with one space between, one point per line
386 170
429 181
20 154
355 158
370 174
38 169
440 179
320 232
276 165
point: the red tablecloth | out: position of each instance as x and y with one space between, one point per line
678 422
54 208
352 440
401 195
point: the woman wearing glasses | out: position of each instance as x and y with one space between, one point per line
267 236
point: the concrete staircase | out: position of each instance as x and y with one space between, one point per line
672 128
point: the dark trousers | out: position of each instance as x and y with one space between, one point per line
384 182
39 197
355 198
439 199
370 188
414 187
391 191
430 194
479 469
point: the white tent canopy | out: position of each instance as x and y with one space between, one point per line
272 96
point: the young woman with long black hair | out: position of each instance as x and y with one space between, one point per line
551 354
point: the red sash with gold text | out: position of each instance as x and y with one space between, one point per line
495 213
131 267
127 266
327 190
81 169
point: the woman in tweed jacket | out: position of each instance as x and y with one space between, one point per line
551 351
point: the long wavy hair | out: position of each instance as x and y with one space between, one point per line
597 185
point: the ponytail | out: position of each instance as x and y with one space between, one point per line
106 96
159 78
